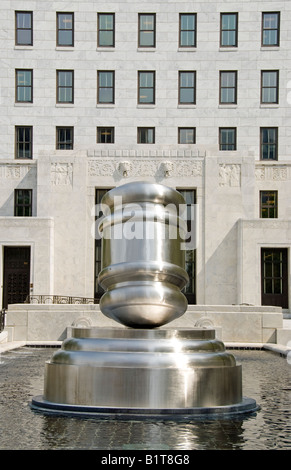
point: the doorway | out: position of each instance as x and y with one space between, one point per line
16 274
274 272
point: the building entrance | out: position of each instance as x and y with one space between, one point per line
274 271
16 274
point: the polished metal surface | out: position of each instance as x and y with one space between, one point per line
143 265
141 369
156 369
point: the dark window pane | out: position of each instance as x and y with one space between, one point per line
65 35
106 29
228 29
146 30
23 28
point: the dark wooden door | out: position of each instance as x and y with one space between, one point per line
16 274
274 272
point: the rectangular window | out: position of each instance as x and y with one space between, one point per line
23 28
23 79
146 87
270 86
23 202
187 36
187 135
190 255
146 135
227 138
65 138
23 142
271 29
269 143
106 29
146 30
65 86
187 87
65 29
105 135
228 29
105 87
268 204
228 87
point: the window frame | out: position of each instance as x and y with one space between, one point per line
100 30
105 128
223 30
71 140
262 144
140 88
17 29
221 88
276 87
142 129
61 29
17 143
23 206
267 206
188 30
228 144
17 86
59 87
99 88
182 103
140 45
278 29
187 128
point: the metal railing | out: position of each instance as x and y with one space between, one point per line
58 299
2 319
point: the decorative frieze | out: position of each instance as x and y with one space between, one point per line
62 174
273 173
145 167
13 171
229 175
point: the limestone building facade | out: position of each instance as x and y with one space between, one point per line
193 95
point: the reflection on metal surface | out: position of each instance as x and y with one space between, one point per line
141 370
143 266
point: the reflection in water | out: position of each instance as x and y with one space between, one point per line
266 378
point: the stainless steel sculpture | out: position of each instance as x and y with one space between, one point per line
143 264
140 370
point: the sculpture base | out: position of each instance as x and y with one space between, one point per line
138 373
248 405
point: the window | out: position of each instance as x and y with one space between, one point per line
268 204
65 138
146 135
23 142
187 87
105 135
270 86
147 30
274 277
146 87
269 143
227 138
228 87
65 29
23 28
228 29
187 37
186 135
65 86
190 255
23 202
271 29
106 27
23 80
105 87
